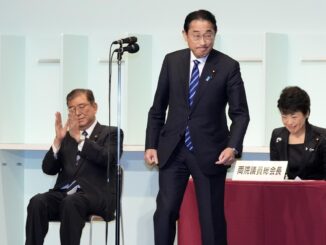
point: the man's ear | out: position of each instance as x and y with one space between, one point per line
185 36
95 106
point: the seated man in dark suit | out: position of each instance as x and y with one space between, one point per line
80 155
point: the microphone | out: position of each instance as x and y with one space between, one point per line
131 48
126 40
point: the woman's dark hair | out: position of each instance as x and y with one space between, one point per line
294 99
199 15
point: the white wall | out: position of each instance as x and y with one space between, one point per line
278 43
242 28
147 16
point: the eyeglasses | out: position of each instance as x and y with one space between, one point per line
206 36
80 107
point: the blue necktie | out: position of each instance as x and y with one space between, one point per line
194 82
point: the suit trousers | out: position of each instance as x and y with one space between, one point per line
173 179
70 210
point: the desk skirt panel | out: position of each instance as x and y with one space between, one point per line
263 213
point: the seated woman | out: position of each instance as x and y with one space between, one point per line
300 143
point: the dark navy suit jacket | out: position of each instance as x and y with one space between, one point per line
99 150
220 84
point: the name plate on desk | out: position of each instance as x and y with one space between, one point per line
260 170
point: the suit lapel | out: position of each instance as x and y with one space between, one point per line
185 71
206 76
310 144
96 132
72 150
282 144
72 147
93 137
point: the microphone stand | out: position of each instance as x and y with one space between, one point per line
119 172
131 48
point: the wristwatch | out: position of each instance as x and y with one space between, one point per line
235 151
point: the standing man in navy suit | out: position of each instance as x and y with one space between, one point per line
80 155
212 146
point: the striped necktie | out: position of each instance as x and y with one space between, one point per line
84 133
73 187
193 85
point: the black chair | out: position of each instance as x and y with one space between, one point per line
93 217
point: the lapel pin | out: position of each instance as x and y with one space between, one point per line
309 149
278 139
210 77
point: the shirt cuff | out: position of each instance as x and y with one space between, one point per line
55 151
